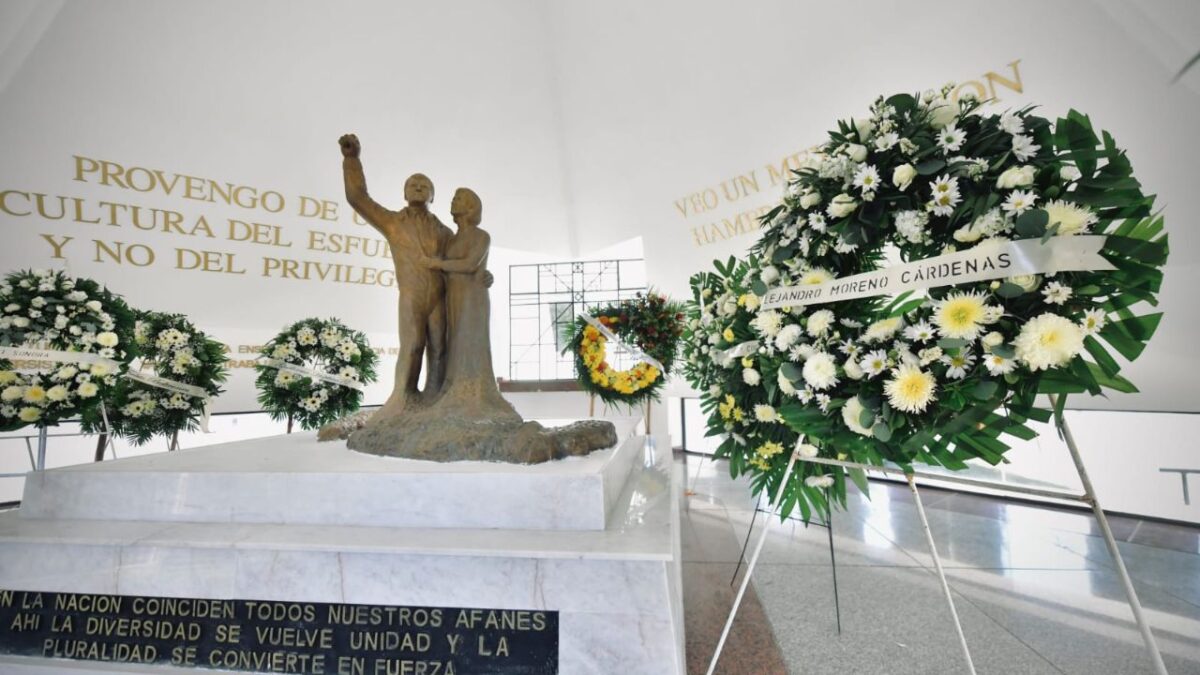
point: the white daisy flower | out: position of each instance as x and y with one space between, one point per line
765 413
922 331
998 365
951 138
1019 201
945 195
958 364
874 363
1093 321
866 179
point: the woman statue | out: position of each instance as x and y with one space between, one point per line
470 383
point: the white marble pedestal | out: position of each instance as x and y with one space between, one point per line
595 539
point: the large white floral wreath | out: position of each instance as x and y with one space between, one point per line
167 390
63 344
313 372
939 373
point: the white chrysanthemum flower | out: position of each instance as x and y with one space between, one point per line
768 323
958 364
12 393
1093 321
852 416
815 276
1070 217
819 481
1056 293
820 371
998 365
1019 201
817 222
1023 147
883 329
29 414
57 393
910 389
866 179
788 336
751 377
819 322
1012 124
960 315
911 225
1048 341
765 413
850 348
945 195
807 450
874 363
88 389
951 138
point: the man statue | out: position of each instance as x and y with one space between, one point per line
413 234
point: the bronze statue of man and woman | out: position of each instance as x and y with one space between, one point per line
444 310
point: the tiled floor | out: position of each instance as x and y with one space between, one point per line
1034 586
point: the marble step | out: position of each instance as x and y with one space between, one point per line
617 590
295 480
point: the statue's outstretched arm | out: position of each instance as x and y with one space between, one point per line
356 184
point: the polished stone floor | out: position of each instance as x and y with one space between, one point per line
1034 586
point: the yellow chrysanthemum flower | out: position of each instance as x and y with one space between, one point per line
960 315
910 389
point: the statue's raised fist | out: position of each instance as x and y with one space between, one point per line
350 145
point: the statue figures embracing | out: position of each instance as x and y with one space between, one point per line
444 312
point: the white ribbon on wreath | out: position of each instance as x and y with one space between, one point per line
321 375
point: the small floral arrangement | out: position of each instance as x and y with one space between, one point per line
936 375
649 322
46 317
313 372
167 390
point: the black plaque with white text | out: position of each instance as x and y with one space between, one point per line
278 637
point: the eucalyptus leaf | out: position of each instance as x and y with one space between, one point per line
1032 223
882 431
1009 290
930 166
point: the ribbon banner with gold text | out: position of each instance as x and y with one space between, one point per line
991 260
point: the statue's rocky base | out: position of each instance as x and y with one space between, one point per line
432 434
